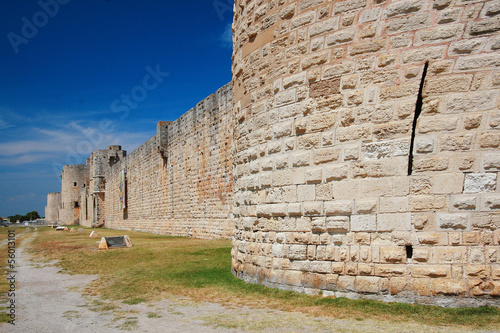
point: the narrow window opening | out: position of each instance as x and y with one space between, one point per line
418 110
77 204
409 251
74 184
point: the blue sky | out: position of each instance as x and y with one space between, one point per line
76 76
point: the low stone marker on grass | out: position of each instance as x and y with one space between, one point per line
93 234
60 228
81 231
112 242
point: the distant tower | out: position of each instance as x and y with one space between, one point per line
52 208
93 197
73 179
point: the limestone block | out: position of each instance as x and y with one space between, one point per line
351 153
408 23
491 202
393 254
439 34
336 172
449 15
433 271
341 36
394 222
443 286
312 208
378 150
326 155
433 238
456 142
424 145
306 193
338 207
318 224
474 62
478 271
451 255
452 221
428 202
489 140
367 284
491 162
300 159
421 185
421 254
448 183
430 164
366 206
346 283
480 182
389 270
346 189
285 97
471 102
292 278
423 54
297 252
314 175
363 223
393 204
324 267
464 202
324 26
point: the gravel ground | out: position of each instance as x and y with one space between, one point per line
48 301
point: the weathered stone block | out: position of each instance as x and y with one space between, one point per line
394 222
452 221
363 223
393 254
480 182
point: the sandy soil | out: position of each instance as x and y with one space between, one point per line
48 301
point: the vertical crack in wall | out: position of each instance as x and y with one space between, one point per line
418 110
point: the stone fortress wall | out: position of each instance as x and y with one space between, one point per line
355 152
180 181
366 148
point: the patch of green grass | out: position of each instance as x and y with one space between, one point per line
158 265
129 325
134 301
153 315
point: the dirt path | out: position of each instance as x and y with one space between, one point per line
48 301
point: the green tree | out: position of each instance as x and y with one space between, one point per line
32 216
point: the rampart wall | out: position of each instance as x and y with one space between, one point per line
366 148
180 181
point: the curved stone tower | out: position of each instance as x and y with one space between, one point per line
52 208
74 178
366 148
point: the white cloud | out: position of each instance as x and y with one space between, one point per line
227 36
4 124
